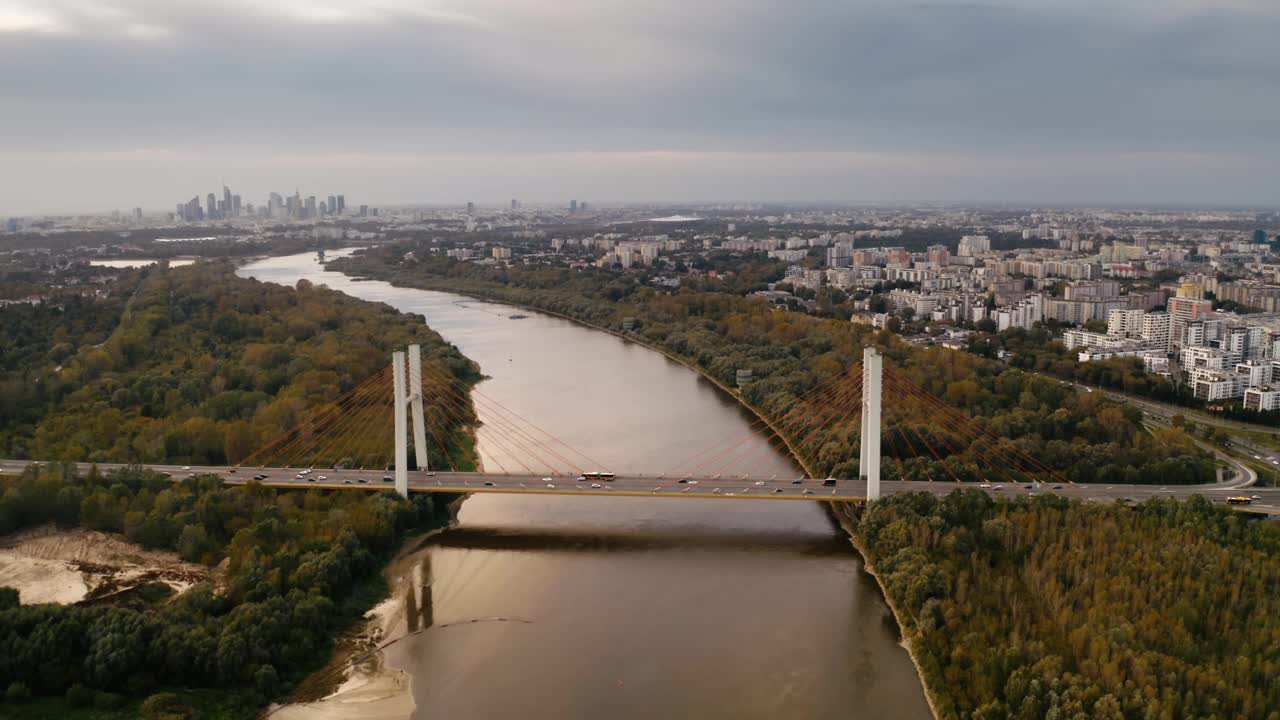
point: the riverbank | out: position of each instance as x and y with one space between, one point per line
843 513
47 564
358 683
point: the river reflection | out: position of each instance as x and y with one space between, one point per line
564 607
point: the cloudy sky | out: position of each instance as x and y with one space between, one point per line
116 103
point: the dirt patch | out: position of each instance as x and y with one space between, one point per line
49 565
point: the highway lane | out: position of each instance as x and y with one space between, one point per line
1267 500
1163 412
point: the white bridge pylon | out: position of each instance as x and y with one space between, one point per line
408 396
869 460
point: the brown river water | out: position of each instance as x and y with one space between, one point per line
619 608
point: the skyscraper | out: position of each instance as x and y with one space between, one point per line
226 201
342 203
332 205
471 208
235 205
211 203
515 204
573 206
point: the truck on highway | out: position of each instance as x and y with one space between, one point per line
1239 500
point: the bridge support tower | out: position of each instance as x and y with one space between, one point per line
415 407
408 398
869 460
399 404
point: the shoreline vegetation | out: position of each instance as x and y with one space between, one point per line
1035 677
846 516
193 364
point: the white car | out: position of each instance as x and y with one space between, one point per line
595 486
553 487
693 482
759 483
186 467
322 477
985 485
546 480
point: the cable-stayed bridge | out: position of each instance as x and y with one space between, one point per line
361 441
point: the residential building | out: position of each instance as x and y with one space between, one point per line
1262 398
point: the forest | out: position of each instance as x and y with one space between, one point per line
1032 425
299 568
194 365
1045 608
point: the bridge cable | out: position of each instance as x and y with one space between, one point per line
330 414
776 428
979 429
497 438
797 433
339 429
787 431
903 429
798 404
497 408
345 440
942 437
460 402
1001 446
832 423
997 468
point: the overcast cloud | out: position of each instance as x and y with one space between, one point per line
116 103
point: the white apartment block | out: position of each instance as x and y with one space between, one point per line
1262 398
1023 314
971 245
1211 385
1155 330
1125 323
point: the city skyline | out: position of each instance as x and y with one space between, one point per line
1036 101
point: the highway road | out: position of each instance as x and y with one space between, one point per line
1267 500
1163 412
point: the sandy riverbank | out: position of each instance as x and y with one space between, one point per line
371 689
49 565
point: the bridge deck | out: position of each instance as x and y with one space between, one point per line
715 487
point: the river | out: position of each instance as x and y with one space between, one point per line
631 607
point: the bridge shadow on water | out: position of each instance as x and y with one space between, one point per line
579 541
